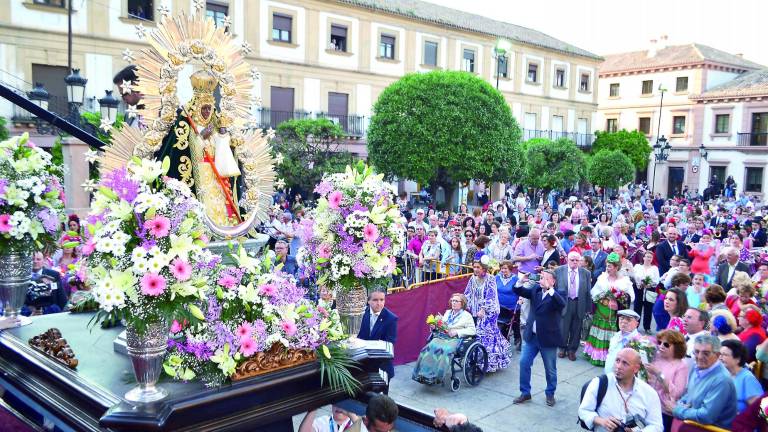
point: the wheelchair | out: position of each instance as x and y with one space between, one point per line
469 360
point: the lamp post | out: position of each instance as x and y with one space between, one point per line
703 151
660 154
39 96
500 53
108 107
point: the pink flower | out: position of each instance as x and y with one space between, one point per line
175 327
227 281
244 330
289 328
268 290
370 233
392 265
5 223
152 284
158 226
181 270
324 251
248 346
88 247
334 199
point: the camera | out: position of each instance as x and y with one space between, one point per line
630 422
535 277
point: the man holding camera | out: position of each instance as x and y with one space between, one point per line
629 404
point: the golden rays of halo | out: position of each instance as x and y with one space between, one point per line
195 39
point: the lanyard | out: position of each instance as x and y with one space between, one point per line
452 317
331 425
626 401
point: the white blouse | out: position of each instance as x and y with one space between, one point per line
641 273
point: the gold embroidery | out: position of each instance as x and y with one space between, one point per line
185 171
182 136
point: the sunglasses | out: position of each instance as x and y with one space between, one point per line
666 344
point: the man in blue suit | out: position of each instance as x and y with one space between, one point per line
542 333
598 257
379 324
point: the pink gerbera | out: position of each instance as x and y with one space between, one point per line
227 281
289 328
158 226
370 233
248 346
268 290
181 270
152 284
5 223
175 327
244 330
88 247
334 199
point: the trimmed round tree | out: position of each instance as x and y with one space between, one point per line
610 169
633 144
551 164
444 127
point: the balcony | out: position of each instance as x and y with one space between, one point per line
352 125
747 139
582 140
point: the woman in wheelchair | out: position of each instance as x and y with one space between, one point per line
436 357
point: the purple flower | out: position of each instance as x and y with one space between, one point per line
214 310
361 269
122 185
384 244
49 220
324 187
3 185
358 207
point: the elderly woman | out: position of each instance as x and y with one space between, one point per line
742 293
733 356
751 320
429 256
668 373
435 358
502 250
483 304
723 324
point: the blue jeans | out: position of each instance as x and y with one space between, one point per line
548 355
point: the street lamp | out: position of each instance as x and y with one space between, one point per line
39 96
108 107
660 154
75 87
703 151
500 54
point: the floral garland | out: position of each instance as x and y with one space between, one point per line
31 196
354 233
146 260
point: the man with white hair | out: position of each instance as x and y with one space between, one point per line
573 282
419 221
731 265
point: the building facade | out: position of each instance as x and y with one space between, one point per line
654 91
317 58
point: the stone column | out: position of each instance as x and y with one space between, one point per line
497 191
76 173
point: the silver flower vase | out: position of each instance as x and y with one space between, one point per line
147 351
351 307
15 277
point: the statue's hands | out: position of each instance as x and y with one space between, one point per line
206 133
222 130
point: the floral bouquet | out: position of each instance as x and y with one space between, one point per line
31 196
647 282
612 297
647 350
254 308
437 323
144 247
354 233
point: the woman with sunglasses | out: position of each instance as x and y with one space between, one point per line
668 372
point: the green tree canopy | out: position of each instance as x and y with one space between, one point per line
610 169
309 148
633 144
3 129
552 164
444 127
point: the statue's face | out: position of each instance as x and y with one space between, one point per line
205 111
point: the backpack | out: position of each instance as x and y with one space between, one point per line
602 387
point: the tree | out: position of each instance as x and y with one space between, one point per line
3 129
610 169
552 164
309 148
633 144
444 127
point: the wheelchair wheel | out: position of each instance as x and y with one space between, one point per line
475 364
455 384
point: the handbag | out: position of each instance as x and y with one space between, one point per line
651 295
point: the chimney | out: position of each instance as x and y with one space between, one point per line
663 41
652 49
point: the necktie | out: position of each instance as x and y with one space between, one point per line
572 292
374 318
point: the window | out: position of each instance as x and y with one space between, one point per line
217 12
338 38
52 77
533 72
141 9
502 64
338 109
282 26
647 87
754 181
612 125
55 3
559 77
430 53
644 125
469 60
682 84
387 47
282 105
678 125
530 121
557 123
614 90
584 82
722 123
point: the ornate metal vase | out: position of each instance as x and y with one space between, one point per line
351 307
146 352
15 277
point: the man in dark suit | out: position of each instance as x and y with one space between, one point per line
760 238
573 284
542 333
666 249
598 257
43 275
379 324
727 269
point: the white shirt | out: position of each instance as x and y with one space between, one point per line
642 400
324 424
617 343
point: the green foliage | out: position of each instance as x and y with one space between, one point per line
633 144
610 169
57 153
310 148
552 164
94 118
444 127
335 367
3 129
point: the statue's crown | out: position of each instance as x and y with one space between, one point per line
203 82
